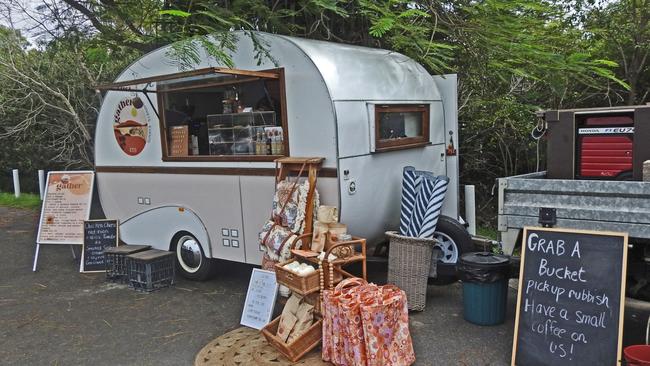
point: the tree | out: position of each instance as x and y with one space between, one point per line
48 108
513 57
621 31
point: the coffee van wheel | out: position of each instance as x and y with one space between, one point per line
453 241
190 258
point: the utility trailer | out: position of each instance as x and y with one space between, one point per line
594 181
575 204
624 206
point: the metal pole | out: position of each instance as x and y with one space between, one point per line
41 182
38 247
16 183
470 209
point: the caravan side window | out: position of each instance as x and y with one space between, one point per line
229 115
401 126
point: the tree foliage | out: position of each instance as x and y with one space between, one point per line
620 31
513 57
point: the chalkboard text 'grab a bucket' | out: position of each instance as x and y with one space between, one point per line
557 248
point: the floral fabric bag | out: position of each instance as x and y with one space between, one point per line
386 332
365 324
334 322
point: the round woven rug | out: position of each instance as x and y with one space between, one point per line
246 346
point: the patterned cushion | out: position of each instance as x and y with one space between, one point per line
422 197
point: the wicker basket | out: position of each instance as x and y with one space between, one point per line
409 262
303 285
298 348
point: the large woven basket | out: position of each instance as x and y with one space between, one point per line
409 262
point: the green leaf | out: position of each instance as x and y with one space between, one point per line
381 27
174 13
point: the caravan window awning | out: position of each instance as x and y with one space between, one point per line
211 76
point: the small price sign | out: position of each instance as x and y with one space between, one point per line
260 299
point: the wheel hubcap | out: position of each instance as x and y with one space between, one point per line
188 252
448 248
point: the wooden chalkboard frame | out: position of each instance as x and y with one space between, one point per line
621 317
83 245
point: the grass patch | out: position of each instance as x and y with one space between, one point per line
487 232
26 200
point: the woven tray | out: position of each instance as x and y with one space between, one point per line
247 347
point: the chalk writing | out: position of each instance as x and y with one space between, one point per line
98 235
570 298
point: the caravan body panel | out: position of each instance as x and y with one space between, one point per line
330 92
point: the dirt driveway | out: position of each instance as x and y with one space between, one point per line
57 316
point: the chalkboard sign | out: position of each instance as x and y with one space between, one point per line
98 235
260 299
571 298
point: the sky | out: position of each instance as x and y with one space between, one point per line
22 15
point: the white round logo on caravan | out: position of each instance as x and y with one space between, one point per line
131 125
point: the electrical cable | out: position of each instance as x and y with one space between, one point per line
537 133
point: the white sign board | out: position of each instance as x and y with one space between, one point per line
260 299
66 205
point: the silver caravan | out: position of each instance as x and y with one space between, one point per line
185 158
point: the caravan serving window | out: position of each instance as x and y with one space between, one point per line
224 116
401 126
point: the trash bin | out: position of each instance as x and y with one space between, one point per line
485 287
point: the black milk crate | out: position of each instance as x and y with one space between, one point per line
151 270
115 259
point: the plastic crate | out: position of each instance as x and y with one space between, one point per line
115 259
151 270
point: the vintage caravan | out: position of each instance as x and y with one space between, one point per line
185 158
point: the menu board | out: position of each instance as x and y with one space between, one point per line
66 205
260 299
98 235
179 141
571 298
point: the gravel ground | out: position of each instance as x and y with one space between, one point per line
58 316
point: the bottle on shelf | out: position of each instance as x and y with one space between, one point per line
276 142
280 143
238 108
269 144
260 145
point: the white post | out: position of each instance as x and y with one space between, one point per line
470 209
41 182
16 183
38 247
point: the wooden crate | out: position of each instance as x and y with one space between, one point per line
298 348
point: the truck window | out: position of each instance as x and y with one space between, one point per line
401 126
238 115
